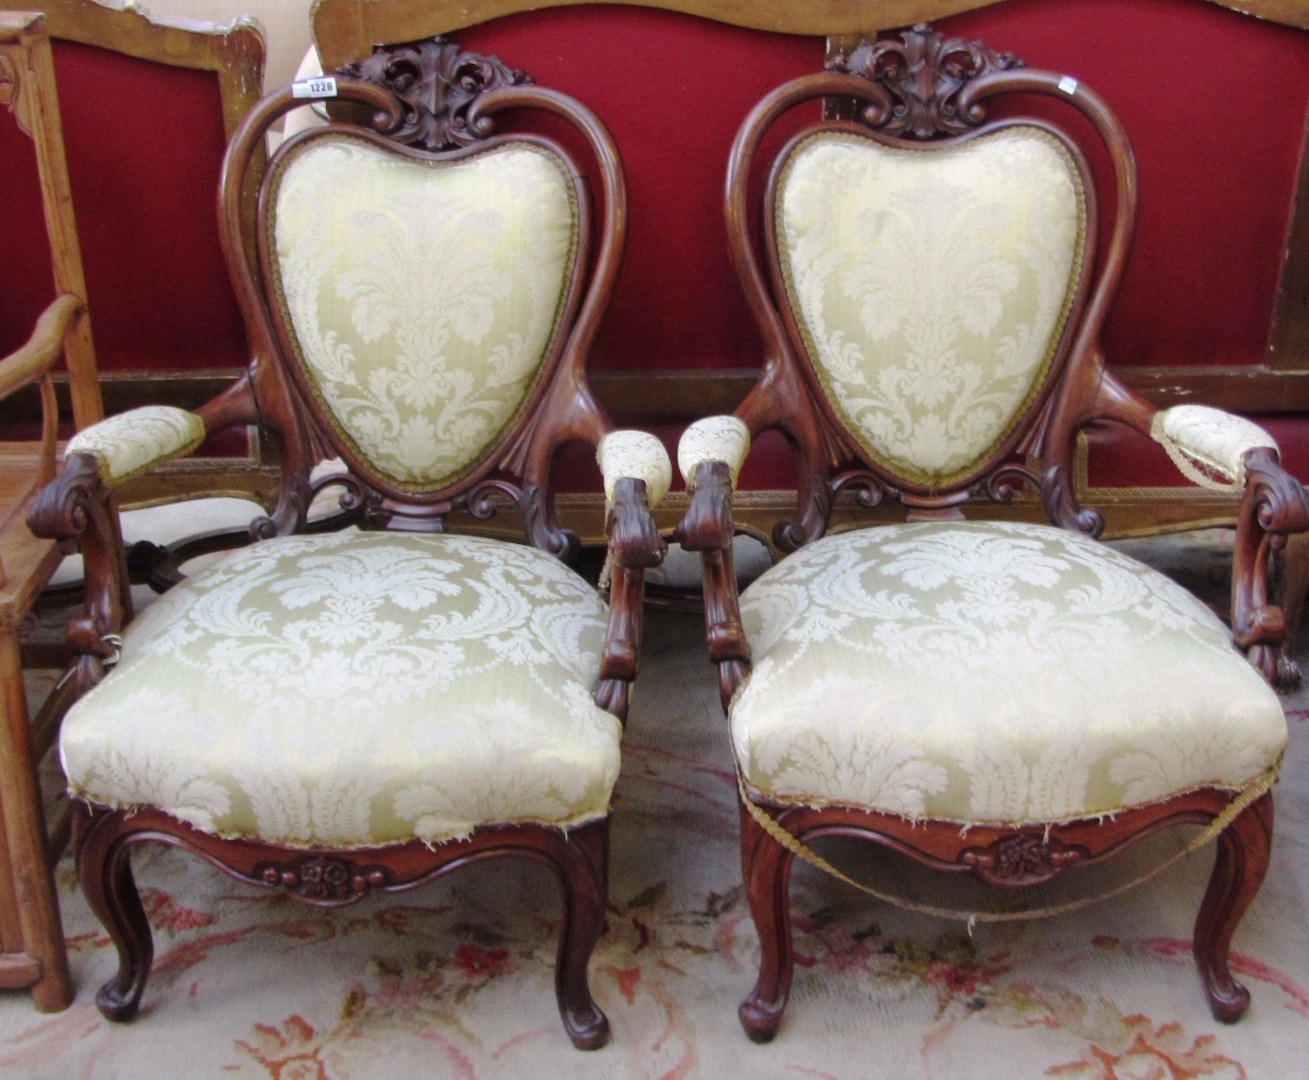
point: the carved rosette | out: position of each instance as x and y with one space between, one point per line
1021 859
923 73
323 879
436 84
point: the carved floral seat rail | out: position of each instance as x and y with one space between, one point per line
340 713
930 299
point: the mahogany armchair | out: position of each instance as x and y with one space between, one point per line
1000 699
336 714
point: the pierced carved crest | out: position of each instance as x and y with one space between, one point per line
437 83
923 73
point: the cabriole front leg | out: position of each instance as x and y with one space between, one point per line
104 869
766 870
1239 867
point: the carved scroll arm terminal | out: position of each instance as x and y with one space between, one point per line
78 507
1228 453
637 475
709 456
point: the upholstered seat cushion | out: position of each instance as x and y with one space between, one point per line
990 672
357 689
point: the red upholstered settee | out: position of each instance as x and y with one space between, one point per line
1214 305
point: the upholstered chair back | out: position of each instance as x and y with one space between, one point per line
420 295
930 286
430 271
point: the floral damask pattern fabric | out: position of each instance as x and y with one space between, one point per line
990 672
931 286
131 442
637 455
713 438
423 296
1208 445
357 689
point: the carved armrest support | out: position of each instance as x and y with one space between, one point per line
709 455
634 546
1274 506
128 444
707 528
77 508
637 475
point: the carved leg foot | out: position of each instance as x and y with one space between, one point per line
583 866
104 869
766 870
1239 868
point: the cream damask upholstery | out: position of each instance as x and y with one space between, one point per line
636 455
131 442
931 286
357 689
990 673
714 438
1209 445
423 295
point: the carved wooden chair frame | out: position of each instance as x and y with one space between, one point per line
427 101
923 91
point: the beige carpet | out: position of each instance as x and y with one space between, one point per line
455 980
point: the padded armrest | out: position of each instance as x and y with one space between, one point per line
131 442
1209 445
715 438
635 455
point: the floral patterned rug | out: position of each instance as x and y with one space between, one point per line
454 980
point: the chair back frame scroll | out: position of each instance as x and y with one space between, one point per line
926 93
398 85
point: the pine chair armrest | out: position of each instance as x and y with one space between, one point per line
36 356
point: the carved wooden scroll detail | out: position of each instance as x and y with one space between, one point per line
1021 859
924 73
437 83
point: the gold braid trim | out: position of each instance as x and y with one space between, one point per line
1229 814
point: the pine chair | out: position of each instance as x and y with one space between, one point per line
32 953
336 714
990 698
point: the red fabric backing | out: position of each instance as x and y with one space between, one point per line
1182 75
144 144
672 90
1120 457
